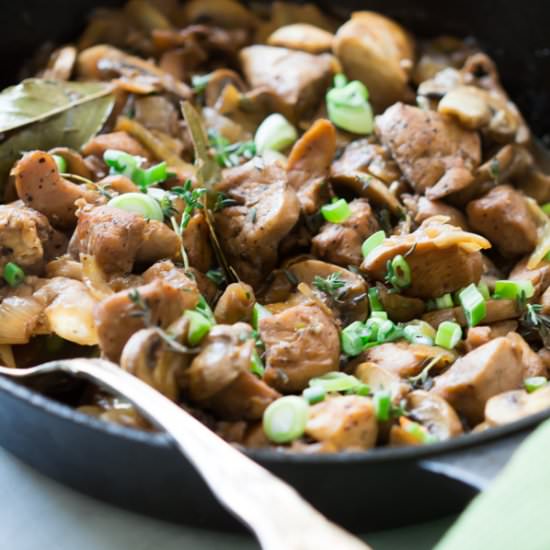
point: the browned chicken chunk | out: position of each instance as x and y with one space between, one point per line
266 211
343 422
117 239
435 154
340 243
27 238
120 315
297 80
119 141
301 342
493 368
503 216
220 379
235 304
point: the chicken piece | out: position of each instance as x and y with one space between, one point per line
340 243
119 141
404 359
442 258
297 80
435 154
40 186
266 211
309 163
344 422
539 276
423 208
302 36
378 52
220 379
301 342
235 304
175 276
493 368
196 241
27 238
117 239
477 336
120 315
504 217
398 307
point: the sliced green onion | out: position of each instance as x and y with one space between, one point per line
484 289
285 419
448 335
314 394
336 212
150 176
351 338
473 304
534 383
335 382
121 162
374 241
200 81
382 405
199 327
340 80
256 364
205 310
512 290
546 208
61 163
374 300
399 272
13 274
419 332
259 312
379 315
361 389
349 109
275 133
444 302
419 432
138 203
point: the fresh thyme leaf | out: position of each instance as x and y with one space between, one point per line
333 285
167 206
534 322
229 154
223 201
192 199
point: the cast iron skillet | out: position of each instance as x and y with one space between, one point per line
362 491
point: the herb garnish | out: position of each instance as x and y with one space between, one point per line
533 321
229 154
192 199
216 276
333 285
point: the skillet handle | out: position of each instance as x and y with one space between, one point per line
274 511
475 466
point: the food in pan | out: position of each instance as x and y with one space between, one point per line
315 235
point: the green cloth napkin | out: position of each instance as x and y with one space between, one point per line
514 513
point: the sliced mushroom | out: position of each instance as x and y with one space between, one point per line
376 51
235 304
301 36
434 413
381 379
75 163
40 186
222 13
513 405
147 356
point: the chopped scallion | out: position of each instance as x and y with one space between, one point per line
484 289
61 163
419 332
256 365
448 335
13 274
534 383
379 315
513 290
546 208
314 394
275 133
473 304
138 203
259 312
417 431
335 382
444 302
382 405
398 274
351 338
199 327
374 300
374 241
336 212
348 106
285 419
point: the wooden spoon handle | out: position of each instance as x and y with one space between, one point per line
275 512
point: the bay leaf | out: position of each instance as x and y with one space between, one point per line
72 114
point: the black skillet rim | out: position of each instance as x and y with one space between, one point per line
161 440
